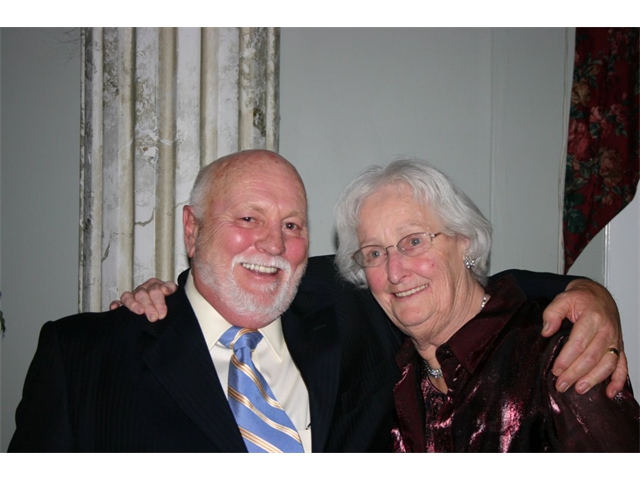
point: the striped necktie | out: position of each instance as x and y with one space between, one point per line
264 425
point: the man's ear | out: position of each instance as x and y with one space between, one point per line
191 225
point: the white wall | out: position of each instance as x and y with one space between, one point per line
623 280
40 121
485 106
352 97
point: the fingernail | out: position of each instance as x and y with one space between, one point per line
583 387
563 387
557 372
152 317
545 327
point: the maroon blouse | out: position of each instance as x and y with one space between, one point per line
501 394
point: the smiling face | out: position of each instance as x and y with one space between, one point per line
425 296
250 249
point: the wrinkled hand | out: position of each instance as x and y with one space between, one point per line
585 358
147 299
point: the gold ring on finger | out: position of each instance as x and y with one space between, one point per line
614 350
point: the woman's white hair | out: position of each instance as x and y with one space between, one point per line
455 210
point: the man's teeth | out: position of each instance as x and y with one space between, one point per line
259 268
410 292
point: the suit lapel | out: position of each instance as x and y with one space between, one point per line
314 345
176 352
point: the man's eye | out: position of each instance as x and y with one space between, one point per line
291 226
248 219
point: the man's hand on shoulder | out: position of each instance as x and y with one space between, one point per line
589 356
147 299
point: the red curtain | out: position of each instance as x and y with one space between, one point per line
603 159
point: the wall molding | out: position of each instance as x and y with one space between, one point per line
157 104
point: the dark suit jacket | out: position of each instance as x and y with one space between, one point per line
114 382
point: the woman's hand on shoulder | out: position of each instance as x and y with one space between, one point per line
147 299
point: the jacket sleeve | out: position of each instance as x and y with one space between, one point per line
538 285
42 417
592 422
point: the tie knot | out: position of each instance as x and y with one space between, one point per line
238 338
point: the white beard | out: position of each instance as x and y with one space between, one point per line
245 303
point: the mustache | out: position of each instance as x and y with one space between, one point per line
262 260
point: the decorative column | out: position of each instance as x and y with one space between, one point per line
159 103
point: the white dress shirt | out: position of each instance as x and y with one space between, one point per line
271 357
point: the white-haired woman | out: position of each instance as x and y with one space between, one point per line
476 374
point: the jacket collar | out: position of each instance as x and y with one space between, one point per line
176 353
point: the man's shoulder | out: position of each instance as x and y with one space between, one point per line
323 282
322 272
537 285
321 267
99 325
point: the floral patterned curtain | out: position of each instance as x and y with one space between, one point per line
603 159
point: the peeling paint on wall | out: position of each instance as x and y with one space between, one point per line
215 90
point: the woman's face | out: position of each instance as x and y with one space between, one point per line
417 293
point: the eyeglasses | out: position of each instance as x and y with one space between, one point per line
412 245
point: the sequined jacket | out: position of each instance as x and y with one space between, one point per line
501 394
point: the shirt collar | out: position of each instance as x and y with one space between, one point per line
470 343
213 325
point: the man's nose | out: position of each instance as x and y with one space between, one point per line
272 241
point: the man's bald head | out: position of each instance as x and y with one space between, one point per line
225 173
